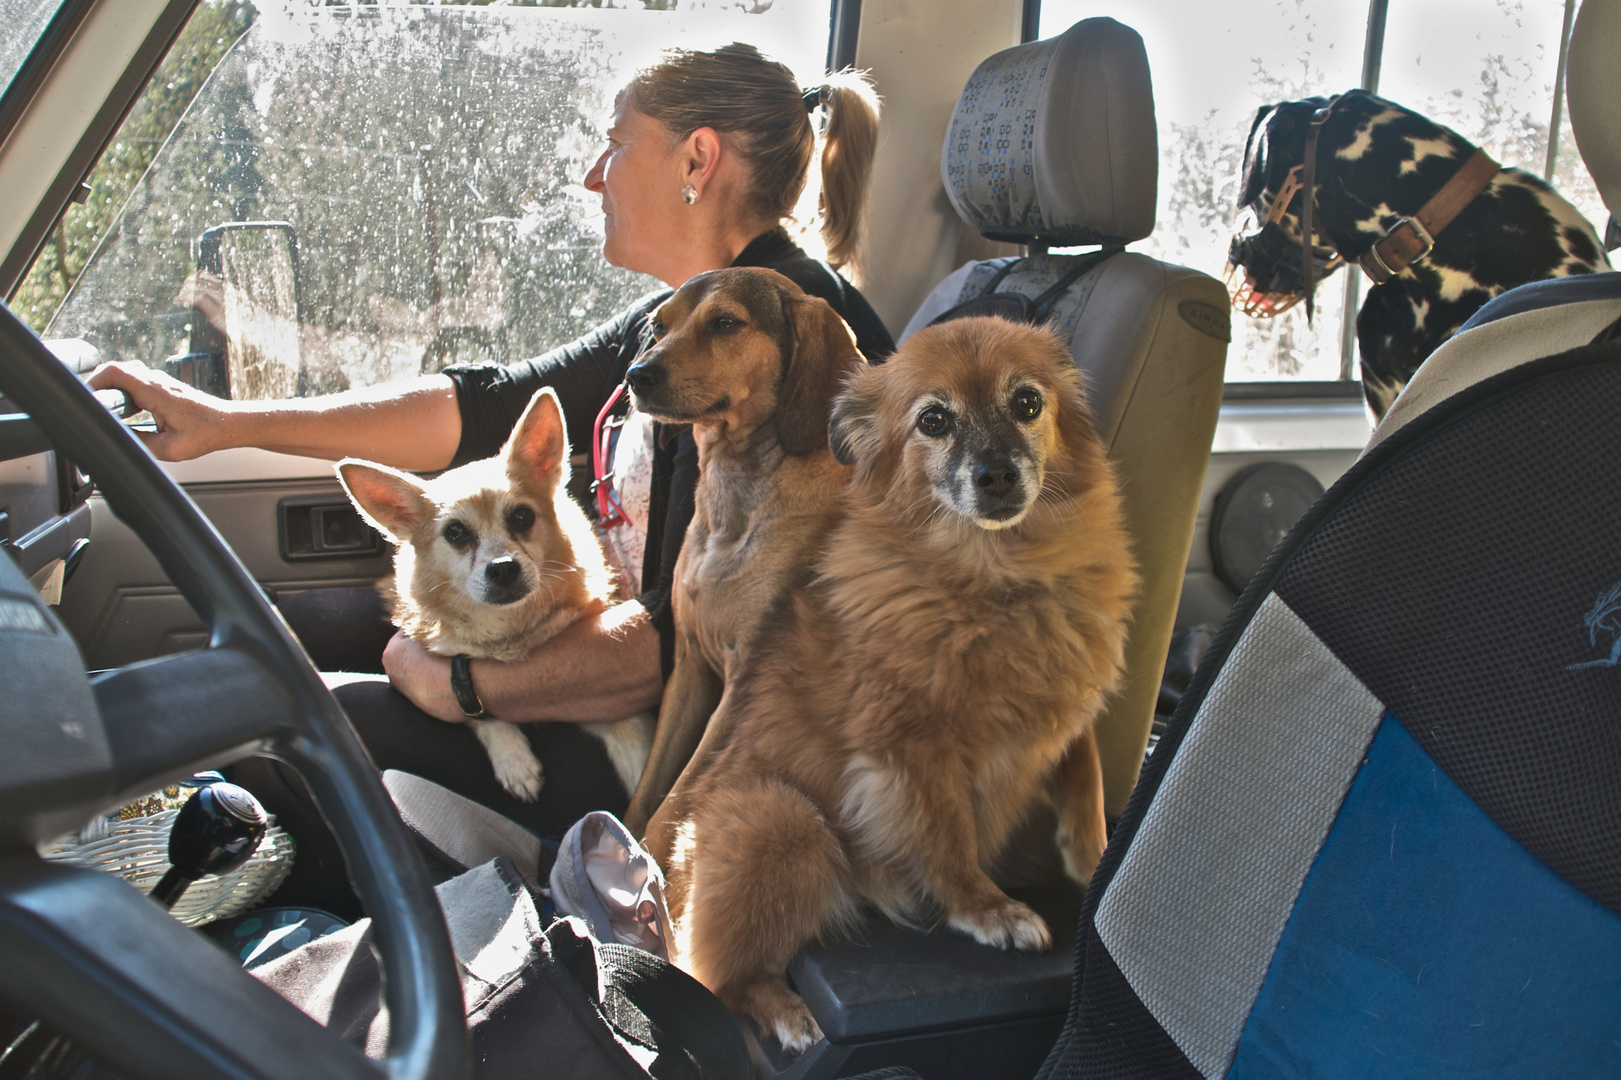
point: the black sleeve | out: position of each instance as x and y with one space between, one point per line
583 373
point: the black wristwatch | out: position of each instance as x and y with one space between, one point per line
461 684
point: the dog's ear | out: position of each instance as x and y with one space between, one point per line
538 446
393 502
823 355
852 429
1254 167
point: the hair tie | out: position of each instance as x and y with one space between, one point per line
812 98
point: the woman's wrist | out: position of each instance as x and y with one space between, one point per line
422 676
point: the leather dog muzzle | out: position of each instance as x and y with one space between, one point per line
1273 278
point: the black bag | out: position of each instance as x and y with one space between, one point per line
550 1002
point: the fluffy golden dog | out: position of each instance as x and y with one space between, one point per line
906 707
752 363
493 559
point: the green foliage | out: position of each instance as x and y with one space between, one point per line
211 31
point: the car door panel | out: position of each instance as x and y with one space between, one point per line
121 607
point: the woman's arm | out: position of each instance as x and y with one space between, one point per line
602 668
409 425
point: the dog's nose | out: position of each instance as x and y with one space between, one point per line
502 571
646 376
996 477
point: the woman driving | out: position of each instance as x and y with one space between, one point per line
707 155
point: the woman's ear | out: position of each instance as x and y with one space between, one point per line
702 153
824 355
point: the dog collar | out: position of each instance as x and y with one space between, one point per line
1411 238
461 684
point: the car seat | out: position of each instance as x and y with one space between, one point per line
1053 144
1380 837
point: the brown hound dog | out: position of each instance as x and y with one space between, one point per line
752 363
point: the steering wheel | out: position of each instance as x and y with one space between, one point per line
83 950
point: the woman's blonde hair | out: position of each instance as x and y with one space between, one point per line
766 115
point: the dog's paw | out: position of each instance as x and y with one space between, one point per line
517 769
1008 924
522 778
777 1010
796 1029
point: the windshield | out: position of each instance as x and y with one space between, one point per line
406 181
25 22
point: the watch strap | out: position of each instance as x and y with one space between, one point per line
461 684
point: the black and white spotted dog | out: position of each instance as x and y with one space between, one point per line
1377 163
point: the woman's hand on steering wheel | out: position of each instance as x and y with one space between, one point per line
189 422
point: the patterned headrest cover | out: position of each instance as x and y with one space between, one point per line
1053 142
1593 89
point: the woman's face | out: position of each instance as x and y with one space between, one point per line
639 179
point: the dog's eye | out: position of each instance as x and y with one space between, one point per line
520 519
1026 403
658 328
456 534
723 324
934 420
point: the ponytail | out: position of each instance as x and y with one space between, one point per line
849 145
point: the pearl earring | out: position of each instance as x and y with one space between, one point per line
689 194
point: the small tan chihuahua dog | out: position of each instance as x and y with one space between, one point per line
494 558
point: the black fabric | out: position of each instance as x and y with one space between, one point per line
1017 307
342 629
1467 619
573 1008
398 735
1114 1037
665 1006
1550 293
584 373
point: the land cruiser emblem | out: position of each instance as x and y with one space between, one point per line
1604 618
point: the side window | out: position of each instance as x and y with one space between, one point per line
1486 70
1492 81
361 193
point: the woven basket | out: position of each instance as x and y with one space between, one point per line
136 848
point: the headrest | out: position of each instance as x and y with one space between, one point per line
1053 142
1593 88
